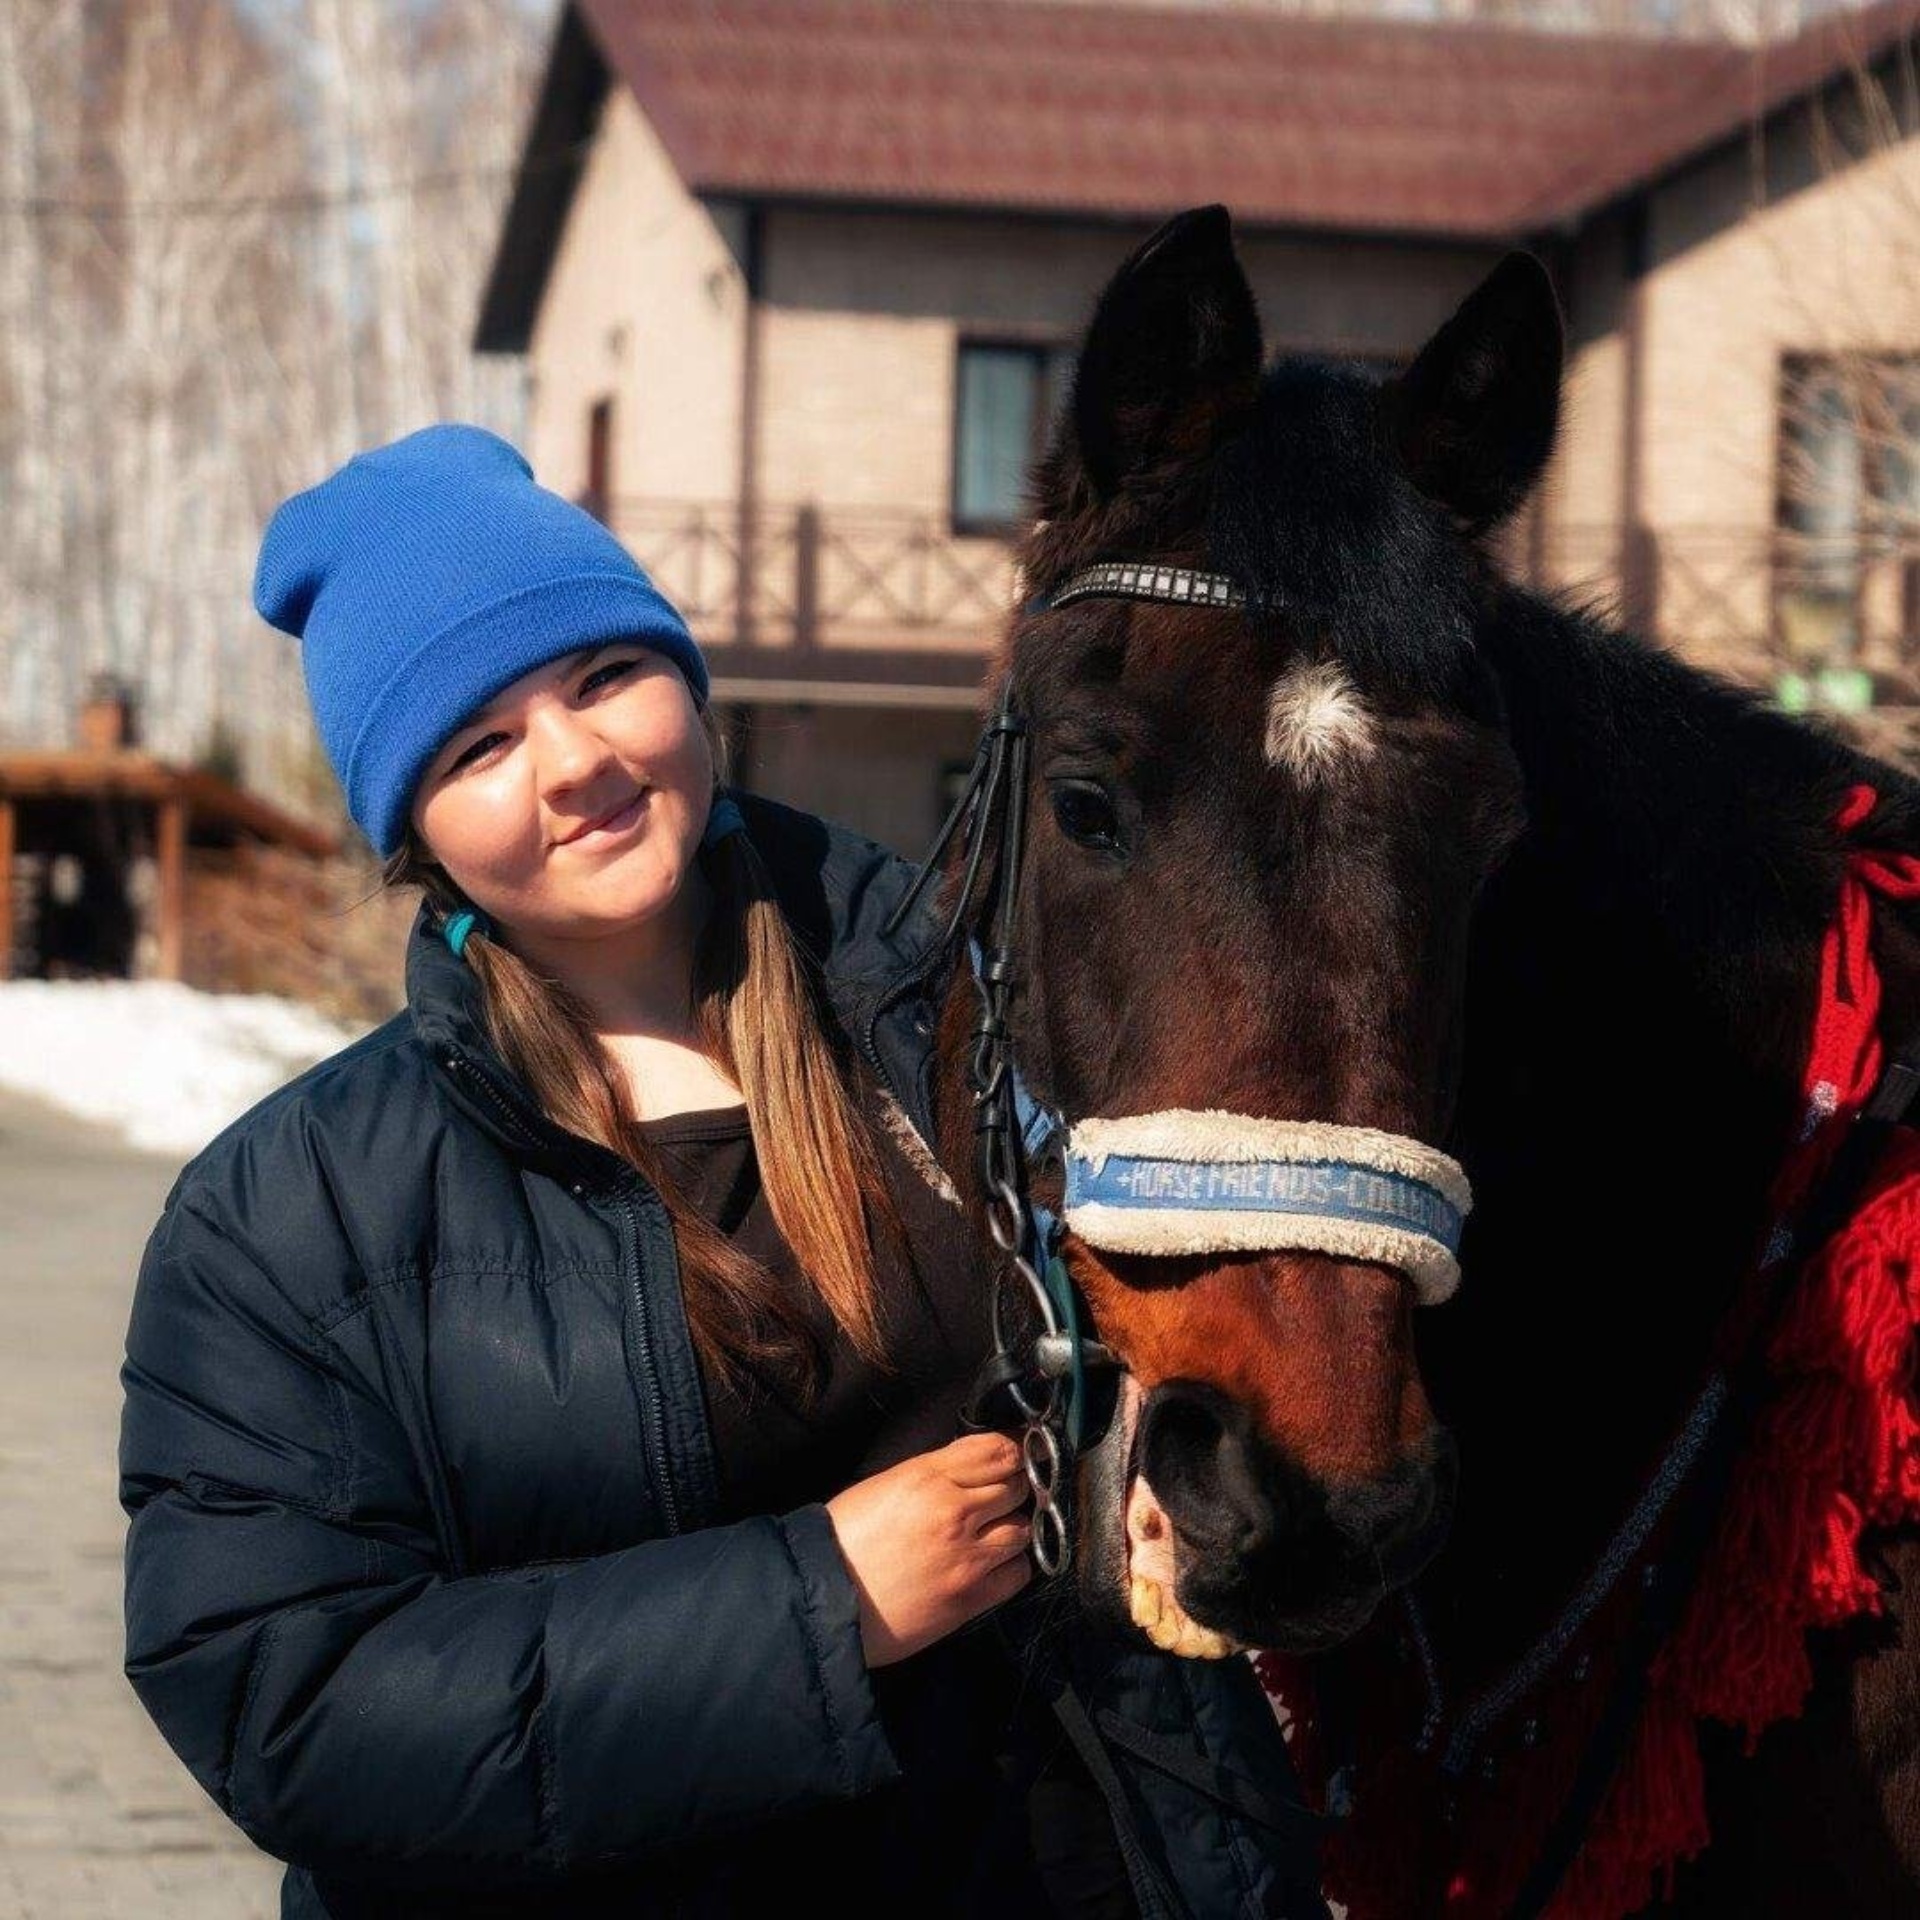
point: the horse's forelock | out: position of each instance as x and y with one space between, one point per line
1310 515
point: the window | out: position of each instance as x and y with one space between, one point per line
1005 397
1849 505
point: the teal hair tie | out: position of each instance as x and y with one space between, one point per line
459 925
723 818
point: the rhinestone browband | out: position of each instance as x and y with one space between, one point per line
1138 580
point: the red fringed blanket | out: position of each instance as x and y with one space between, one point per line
1835 1450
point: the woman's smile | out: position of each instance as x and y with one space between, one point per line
609 828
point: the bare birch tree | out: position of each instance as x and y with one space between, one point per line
239 240
195 137
39 76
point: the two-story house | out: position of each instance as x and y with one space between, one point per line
797 282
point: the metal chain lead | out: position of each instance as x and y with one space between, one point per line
1040 1391
1038 1386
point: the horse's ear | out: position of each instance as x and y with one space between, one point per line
1473 418
1172 355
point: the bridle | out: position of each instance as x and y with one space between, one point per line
1161 1183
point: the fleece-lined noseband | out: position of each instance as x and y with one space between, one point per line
1212 1182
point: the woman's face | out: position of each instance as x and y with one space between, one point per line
573 804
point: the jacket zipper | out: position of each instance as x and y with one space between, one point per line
458 1064
640 1363
653 1409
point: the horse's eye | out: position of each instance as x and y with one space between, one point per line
1086 815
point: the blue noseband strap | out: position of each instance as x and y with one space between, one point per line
1186 1182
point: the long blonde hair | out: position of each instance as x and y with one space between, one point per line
757 1019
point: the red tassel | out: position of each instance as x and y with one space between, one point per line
1655 1817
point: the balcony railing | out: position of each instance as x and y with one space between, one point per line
1823 624
886 589
1759 602
807 577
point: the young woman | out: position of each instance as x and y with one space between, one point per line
540 1418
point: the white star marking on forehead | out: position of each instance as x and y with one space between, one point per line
1316 721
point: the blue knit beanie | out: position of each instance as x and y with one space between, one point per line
421 579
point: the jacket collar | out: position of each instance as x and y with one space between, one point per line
837 890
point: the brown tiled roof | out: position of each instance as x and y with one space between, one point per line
1379 126
1356 126
1739 88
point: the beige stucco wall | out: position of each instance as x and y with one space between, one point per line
1581 492
645 303
865 313
1828 265
860 326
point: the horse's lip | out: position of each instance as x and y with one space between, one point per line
1328 1627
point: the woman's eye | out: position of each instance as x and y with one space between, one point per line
475 750
602 676
1086 815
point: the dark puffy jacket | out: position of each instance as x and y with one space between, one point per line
422 1579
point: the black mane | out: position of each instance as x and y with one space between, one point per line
1640 998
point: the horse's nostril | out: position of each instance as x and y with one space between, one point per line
1199 1456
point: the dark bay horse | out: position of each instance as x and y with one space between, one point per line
1392 845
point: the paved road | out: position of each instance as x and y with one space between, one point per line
97 1818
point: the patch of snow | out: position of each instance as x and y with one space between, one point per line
165 1064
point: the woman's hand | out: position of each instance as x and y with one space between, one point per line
934 1542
